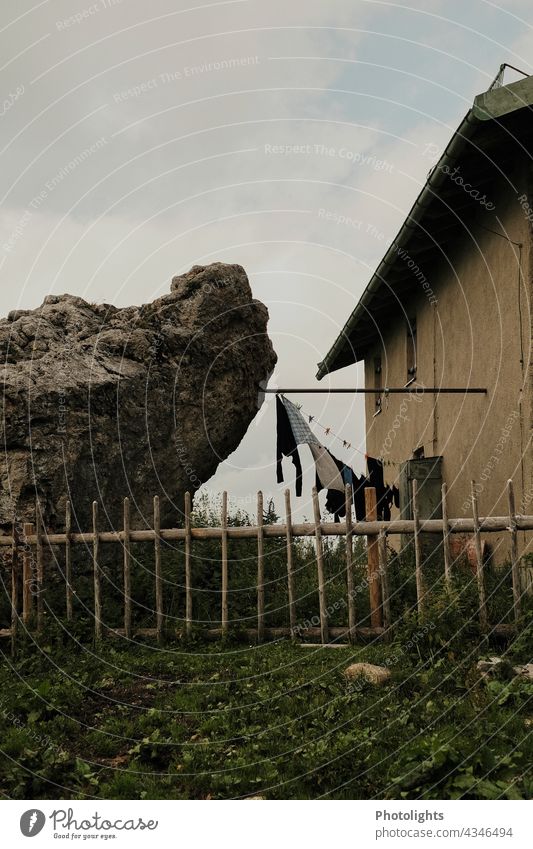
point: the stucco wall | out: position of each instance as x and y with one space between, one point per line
471 337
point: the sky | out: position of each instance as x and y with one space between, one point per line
289 137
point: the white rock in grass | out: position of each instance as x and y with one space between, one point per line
492 666
526 670
373 674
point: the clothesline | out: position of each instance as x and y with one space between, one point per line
348 445
333 474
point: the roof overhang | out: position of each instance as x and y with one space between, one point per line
499 121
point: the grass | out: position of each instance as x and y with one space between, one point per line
232 720
211 721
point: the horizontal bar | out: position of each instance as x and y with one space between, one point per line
386 390
503 629
272 633
278 633
488 524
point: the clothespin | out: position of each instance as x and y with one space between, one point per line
311 418
327 431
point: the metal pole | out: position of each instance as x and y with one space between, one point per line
419 390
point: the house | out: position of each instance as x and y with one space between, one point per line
449 307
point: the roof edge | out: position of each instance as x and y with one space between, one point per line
487 106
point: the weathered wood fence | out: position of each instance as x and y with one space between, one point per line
28 571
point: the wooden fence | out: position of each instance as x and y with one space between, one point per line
27 556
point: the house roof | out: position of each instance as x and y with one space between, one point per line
498 122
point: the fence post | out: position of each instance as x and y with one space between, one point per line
188 582
515 571
158 578
418 552
290 572
40 566
68 560
349 564
14 588
446 540
127 569
483 621
324 629
260 571
384 572
371 510
224 540
96 576
27 574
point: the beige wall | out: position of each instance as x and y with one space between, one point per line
470 337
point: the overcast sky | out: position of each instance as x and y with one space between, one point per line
186 164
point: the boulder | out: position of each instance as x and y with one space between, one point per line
99 402
367 671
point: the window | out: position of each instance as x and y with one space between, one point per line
411 350
378 383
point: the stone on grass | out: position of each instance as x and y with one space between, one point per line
526 671
490 667
496 666
369 672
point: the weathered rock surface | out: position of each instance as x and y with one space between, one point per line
526 670
498 667
368 672
100 402
492 667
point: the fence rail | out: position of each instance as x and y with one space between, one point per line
28 563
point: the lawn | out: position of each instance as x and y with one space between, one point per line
211 721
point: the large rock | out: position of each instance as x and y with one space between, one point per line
101 402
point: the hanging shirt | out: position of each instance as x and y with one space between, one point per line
286 445
330 474
375 479
327 471
301 430
386 496
360 485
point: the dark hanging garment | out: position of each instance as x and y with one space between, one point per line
349 477
375 475
335 498
387 504
359 487
335 504
286 446
396 496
